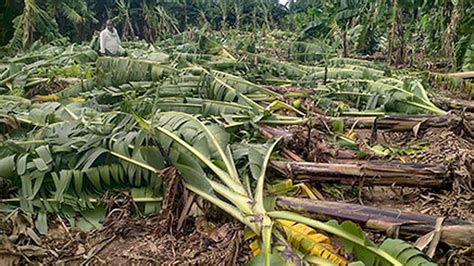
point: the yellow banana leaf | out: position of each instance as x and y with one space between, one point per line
53 98
307 240
76 99
286 186
46 98
254 245
255 248
224 53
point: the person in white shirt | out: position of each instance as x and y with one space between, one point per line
110 41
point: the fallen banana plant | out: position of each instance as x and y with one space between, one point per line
454 231
202 155
389 122
380 94
79 157
382 174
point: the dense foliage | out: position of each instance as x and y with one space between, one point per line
404 30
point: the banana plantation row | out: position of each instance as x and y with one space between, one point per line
404 32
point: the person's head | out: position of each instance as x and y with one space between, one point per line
109 24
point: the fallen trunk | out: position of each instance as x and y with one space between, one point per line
454 231
463 75
449 104
369 173
270 132
391 122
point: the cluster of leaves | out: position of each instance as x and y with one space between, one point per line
28 69
65 156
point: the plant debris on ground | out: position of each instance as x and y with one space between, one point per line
261 147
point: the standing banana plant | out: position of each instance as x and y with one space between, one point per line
33 19
124 17
237 8
224 7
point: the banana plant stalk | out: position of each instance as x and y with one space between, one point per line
390 122
455 231
384 174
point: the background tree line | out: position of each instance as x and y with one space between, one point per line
396 28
